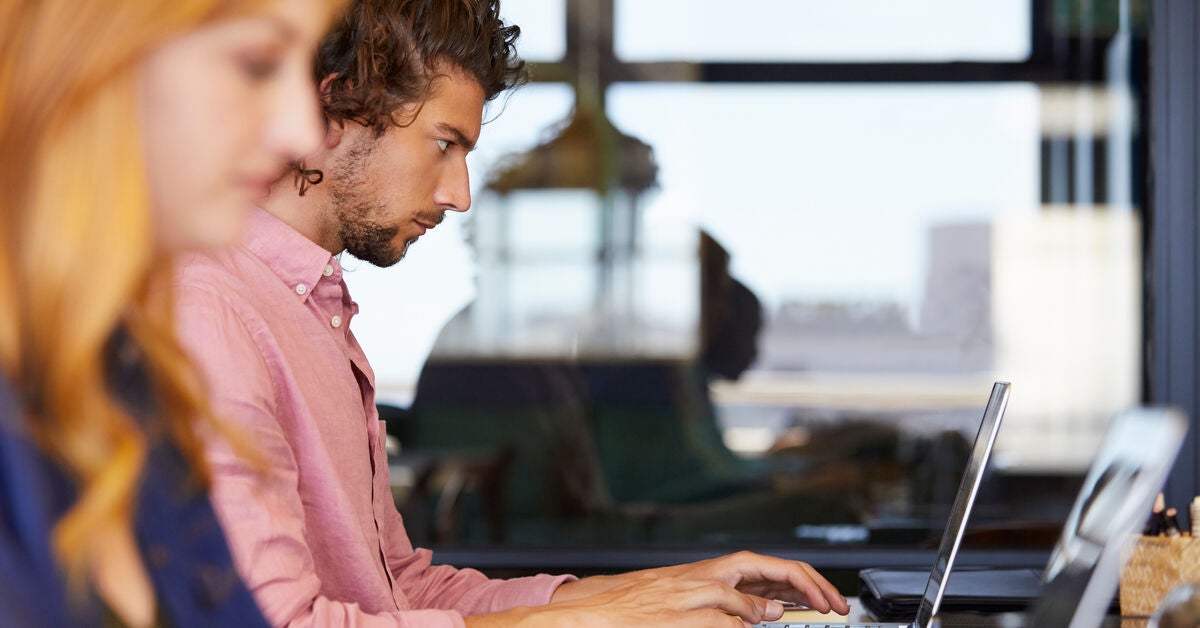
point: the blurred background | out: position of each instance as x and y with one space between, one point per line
740 275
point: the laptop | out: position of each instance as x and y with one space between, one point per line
935 587
1118 492
1084 569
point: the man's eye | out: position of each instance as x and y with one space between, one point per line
443 145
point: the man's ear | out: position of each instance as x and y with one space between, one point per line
324 87
334 131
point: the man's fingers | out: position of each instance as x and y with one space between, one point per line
716 595
767 576
733 601
771 609
829 592
788 580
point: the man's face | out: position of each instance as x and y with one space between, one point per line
386 192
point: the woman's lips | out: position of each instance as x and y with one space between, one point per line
257 185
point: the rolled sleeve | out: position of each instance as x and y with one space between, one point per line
468 591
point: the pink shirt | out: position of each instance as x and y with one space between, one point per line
314 531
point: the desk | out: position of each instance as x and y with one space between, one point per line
1010 620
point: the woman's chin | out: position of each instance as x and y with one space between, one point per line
214 230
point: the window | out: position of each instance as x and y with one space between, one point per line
776 321
812 30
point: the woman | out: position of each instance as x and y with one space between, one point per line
129 132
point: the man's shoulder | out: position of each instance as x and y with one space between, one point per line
233 272
218 298
232 287
209 266
221 286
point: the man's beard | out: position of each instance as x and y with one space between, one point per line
362 237
366 239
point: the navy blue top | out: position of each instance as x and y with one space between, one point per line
177 532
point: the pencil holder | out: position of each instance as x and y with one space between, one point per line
1155 565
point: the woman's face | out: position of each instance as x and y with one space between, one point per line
223 109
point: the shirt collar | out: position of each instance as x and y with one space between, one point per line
298 261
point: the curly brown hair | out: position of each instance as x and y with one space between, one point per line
385 54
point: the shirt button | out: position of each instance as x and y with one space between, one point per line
328 270
301 288
336 321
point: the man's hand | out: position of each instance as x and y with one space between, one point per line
765 577
645 598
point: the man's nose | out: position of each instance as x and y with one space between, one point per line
454 189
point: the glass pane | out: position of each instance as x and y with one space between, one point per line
561 224
896 239
629 292
829 191
819 30
789 337
543 27
573 289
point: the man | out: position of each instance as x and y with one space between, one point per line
310 516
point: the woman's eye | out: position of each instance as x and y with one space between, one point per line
259 69
443 145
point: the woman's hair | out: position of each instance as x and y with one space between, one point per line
78 261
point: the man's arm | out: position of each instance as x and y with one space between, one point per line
465 590
260 508
258 502
764 577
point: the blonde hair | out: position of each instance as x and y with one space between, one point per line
79 262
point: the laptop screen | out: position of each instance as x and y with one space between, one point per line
1128 472
967 489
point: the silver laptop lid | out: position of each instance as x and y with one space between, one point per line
963 502
1129 470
